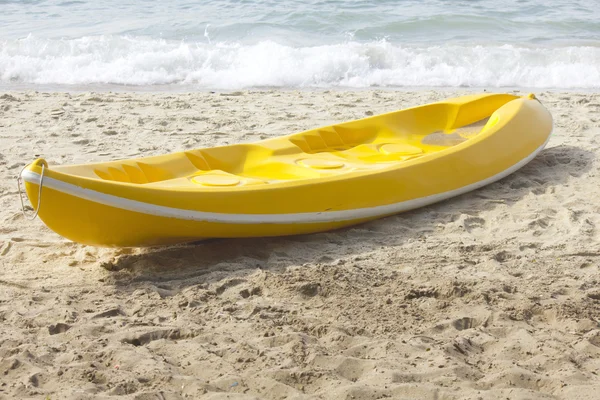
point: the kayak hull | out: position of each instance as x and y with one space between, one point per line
294 184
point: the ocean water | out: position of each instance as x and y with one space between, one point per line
237 44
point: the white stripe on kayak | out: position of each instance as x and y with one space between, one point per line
294 218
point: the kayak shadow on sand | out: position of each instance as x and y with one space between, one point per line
202 263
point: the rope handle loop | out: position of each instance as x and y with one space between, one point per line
38 162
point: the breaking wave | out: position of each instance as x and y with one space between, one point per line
139 61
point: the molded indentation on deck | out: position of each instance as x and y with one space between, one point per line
331 139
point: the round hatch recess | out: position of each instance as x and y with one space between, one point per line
400 149
317 163
216 180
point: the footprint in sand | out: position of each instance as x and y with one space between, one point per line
58 328
471 223
465 323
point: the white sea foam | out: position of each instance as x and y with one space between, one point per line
143 61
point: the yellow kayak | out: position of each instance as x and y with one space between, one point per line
312 181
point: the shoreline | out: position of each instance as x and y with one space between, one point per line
188 89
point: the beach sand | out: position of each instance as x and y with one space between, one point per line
493 294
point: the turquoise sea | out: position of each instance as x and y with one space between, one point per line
236 44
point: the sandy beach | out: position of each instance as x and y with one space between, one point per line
491 295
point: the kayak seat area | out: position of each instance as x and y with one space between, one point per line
332 150
256 165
